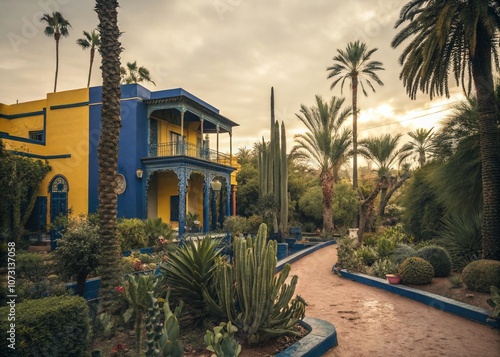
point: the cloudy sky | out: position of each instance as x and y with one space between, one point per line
228 53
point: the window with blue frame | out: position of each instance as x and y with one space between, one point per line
37 135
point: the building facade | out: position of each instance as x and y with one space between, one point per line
166 167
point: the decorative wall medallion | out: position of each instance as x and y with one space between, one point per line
121 184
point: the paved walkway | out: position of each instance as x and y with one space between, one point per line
373 322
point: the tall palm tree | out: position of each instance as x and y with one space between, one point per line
325 145
135 74
354 64
422 143
107 150
91 40
57 26
459 37
383 151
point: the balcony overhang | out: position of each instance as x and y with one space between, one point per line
171 162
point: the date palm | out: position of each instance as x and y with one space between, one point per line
354 65
459 37
325 145
107 150
90 40
383 151
422 143
134 74
57 26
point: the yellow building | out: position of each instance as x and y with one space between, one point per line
165 167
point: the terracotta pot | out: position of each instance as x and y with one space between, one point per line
393 279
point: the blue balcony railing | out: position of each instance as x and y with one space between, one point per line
178 148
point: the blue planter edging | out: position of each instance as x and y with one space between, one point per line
301 253
321 337
436 301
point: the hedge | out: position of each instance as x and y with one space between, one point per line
54 326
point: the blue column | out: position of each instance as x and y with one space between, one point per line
206 199
181 174
228 196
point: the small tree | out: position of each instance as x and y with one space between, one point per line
77 254
20 178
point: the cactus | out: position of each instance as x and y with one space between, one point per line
221 341
249 294
416 271
136 289
162 340
273 171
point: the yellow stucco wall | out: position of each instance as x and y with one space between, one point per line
67 132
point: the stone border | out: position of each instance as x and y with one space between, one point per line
300 254
321 337
442 303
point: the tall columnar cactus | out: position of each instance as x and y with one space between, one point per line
251 296
162 339
136 289
273 171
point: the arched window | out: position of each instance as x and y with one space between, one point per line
58 190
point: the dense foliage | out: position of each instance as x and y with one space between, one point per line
482 274
439 259
416 271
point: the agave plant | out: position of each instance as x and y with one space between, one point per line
461 237
190 267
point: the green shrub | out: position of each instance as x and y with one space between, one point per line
439 259
157 232
385 247
383 267
402 252
396 234
55 326
236 225
481 275
369 239
78 252
416 271
347 255
31 266
132 234
367 254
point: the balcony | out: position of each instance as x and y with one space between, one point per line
179 148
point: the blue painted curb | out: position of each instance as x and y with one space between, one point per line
321 337
300 254
442 303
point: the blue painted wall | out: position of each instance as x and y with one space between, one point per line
132 146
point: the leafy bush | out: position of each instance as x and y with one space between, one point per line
31 266
416 271
253 223
396 234
155 229
236 225
383 267
370 239
367 254
439 259
78 252
55 326
481 275
188 269
347 255
132 234
50 286
402 252
385 247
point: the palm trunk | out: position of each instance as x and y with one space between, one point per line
489 146
387 197
363 208
327 187
56 36
107 150
92 53
356 222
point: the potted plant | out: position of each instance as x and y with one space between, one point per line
393 278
